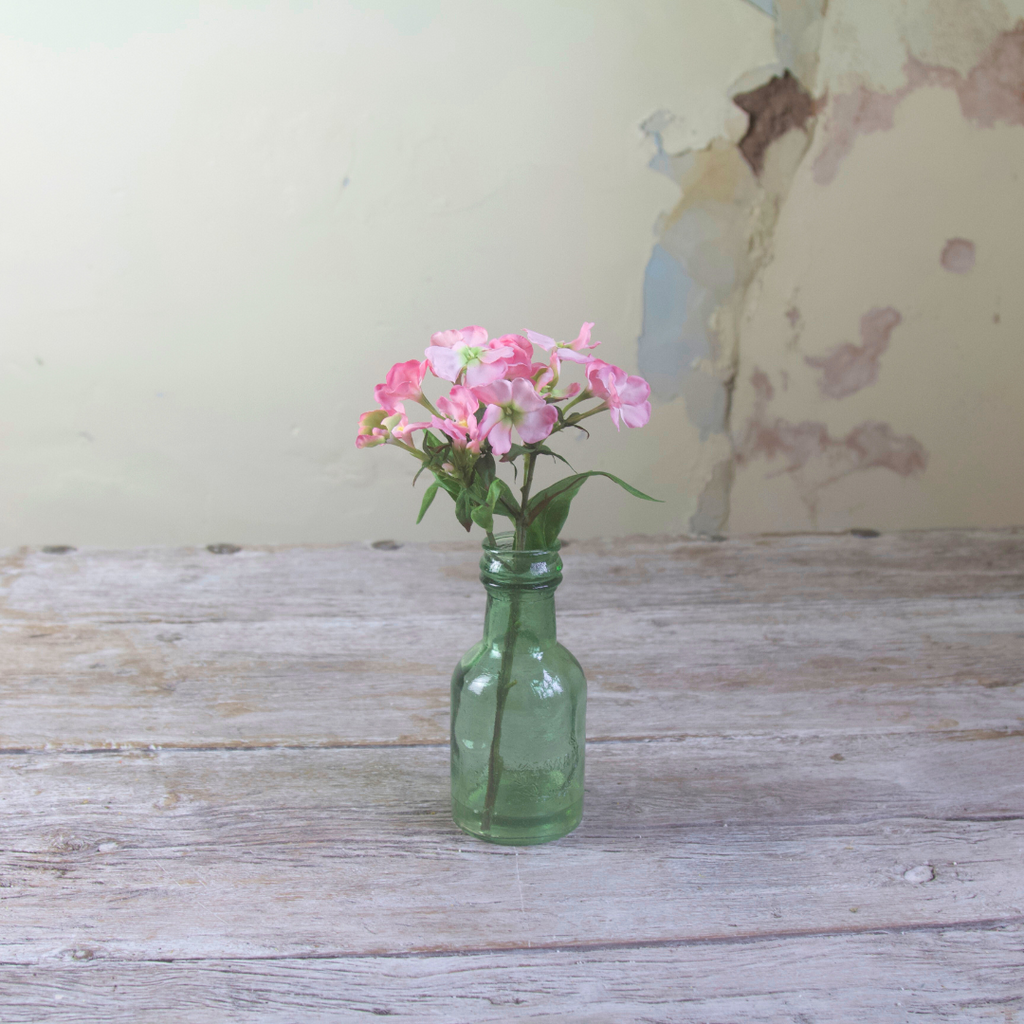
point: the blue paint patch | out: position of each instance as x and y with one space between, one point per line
662 356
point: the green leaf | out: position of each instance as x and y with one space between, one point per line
483 516
538 449
428 497
449 485
464 509
484 470
506 504
544 450
548 510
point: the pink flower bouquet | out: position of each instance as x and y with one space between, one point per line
498 387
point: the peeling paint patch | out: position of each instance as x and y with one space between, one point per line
702 256
713 504
994 88
664 345
958 255
813 456
849 367
992 91
852 114
778 106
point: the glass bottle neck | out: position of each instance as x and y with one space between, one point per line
531 612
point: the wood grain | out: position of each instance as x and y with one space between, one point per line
223 787
968 976
288 647
256 853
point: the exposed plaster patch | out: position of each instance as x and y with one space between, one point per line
815 458
710 246
774 108
713 504
991 92
848 367
958 255
702 255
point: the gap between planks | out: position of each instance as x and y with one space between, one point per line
797 737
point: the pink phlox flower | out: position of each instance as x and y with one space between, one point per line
372 431
403 430
455 351
626 396
379 426
458 418
574 351
546 377
514 403
520 363
403 382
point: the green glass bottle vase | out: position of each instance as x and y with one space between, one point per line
518 712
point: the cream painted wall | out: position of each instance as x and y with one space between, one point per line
223 221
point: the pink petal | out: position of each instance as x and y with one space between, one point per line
387 399
460 403
636 415
474 336
614 410
497 429
604 379
573 357
497 393
634 391
492 415
445 362
446 339
541 339
536 425
583 341
496 352
525 397
409 373
481 374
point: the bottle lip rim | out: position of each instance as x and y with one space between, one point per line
504 543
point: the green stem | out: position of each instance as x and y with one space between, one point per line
581 397
530 460
425 402
578 416
505 680
408 447
505 683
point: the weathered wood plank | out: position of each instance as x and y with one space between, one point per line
353 580
298 852
830 812
794 635
875 978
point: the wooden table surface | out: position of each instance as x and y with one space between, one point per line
223 785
